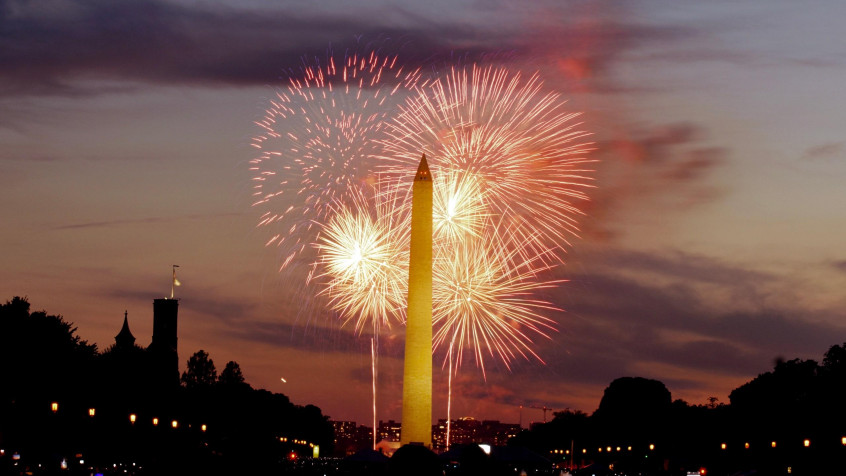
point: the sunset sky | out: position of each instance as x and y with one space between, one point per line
714 243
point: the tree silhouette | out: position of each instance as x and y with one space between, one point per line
835 359
200 371
231 375
46 352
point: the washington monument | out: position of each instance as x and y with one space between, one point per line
417 376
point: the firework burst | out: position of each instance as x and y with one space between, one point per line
484 299
336 149
363 258
316 143
459 207
522 147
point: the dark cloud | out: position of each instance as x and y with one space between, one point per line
697 163
824 151
141 221
30 158
657 146
663 168
638 309
207 302
332 339
46 52
156 41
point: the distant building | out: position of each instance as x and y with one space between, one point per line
350 438
468 430
389 431
343 429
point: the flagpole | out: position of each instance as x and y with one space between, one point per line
173 282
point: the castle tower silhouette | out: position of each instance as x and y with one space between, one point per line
125 339
163 350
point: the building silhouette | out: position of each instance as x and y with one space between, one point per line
124 339
157 365
163 350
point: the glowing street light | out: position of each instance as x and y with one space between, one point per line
722 446
651 447
91 411
54 406
773 444
132 418
174 424
807 443
203 427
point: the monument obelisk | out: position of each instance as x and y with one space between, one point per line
417 372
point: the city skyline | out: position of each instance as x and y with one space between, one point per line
711 246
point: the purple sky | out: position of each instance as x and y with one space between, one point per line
713 244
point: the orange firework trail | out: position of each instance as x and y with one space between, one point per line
316 143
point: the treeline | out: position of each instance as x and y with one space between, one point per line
63 400
791 420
